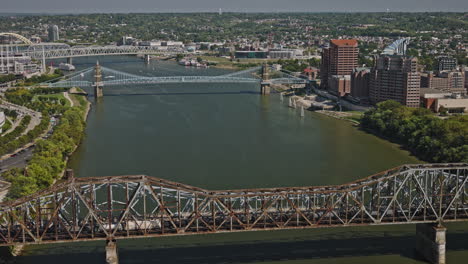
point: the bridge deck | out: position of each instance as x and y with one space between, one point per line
98 208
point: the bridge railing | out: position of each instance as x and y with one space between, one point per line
138 205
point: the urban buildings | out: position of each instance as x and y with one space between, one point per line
340 58
339 84
126 40
437 101
398 47
449 81
465 70
284 53
445 63
249 54
311 72
272 54
360 84
53 31
18 65
395 77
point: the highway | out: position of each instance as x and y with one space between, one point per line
18 160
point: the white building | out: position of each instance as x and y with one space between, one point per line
53 31
285 53
18 65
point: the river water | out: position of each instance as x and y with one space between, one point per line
220 136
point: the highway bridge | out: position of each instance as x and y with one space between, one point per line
37 52
120 207
44 51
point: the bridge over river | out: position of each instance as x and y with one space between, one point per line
99 77
120 207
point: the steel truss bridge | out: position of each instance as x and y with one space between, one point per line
112 77
39 52
109 208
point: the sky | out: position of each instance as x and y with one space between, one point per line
127 6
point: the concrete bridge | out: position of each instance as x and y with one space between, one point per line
120 207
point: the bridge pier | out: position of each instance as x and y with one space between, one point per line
111 252
265 85
430 242
265 88
147 58
70 60
98 81
98 93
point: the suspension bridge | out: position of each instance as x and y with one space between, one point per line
120 207
100 76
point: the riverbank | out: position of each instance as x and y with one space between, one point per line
84 105
81 102
353 117
55 147
323 106
227 137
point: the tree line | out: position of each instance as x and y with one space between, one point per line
428 137
50 155
24 97
7 78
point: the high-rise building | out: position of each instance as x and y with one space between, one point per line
340 58
446 64
360 83
339 84
447 81
465 70
395 78
53 33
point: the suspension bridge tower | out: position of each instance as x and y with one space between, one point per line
265 84
98 81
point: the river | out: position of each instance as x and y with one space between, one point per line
220 136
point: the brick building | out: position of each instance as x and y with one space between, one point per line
339 85
448 81
396 78
339 59
445 63
360 83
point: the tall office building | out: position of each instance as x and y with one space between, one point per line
446 64
395 78
53 33
340 58
360 83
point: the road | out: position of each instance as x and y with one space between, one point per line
67 96
19 160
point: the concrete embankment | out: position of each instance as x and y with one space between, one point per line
343 103
321 105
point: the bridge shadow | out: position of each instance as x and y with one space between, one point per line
181 93
252 252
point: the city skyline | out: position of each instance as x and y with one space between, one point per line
159 6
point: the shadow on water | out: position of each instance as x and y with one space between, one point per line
182 93
251 252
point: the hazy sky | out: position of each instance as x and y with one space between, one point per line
78 6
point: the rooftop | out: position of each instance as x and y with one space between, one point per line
344 42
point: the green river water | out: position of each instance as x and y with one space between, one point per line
220 136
